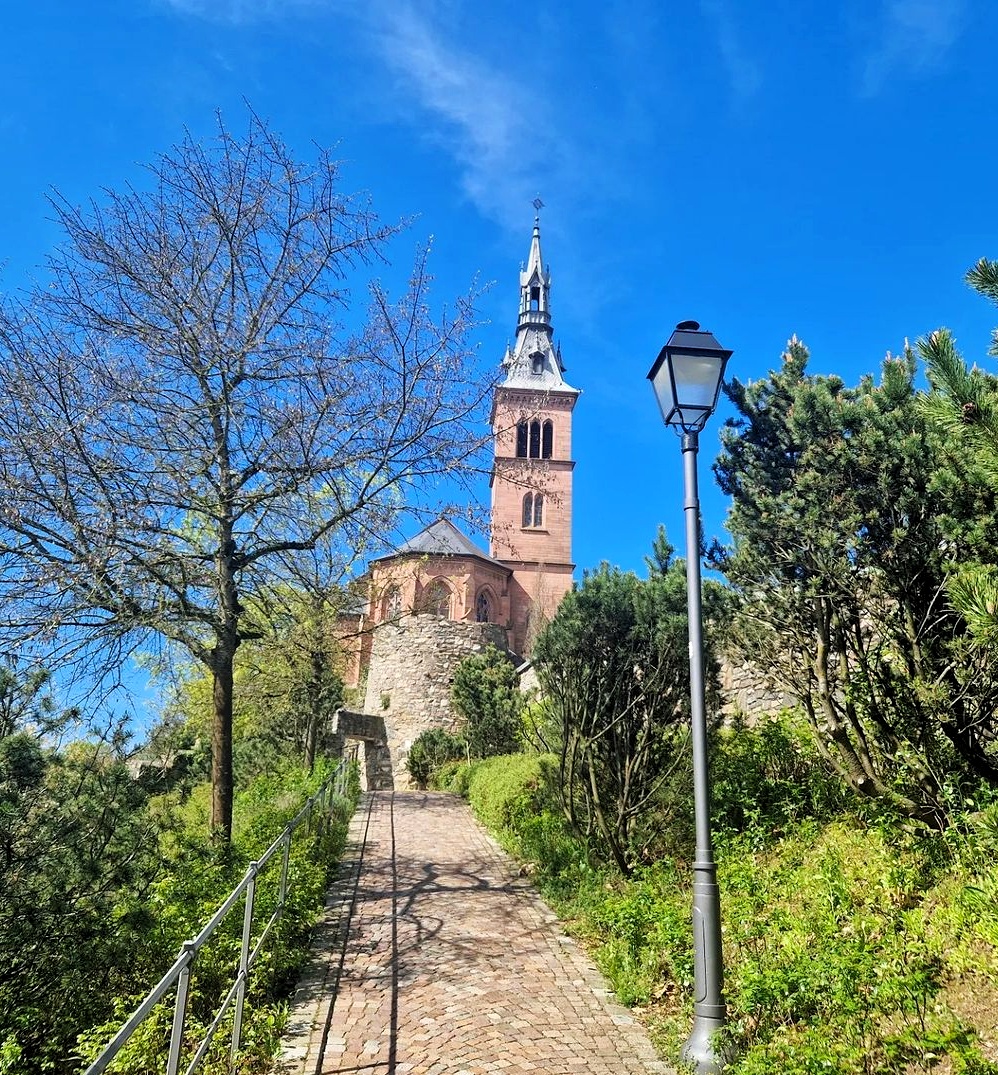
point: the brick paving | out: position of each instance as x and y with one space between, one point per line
435 957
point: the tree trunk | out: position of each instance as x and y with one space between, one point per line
223 662
221 745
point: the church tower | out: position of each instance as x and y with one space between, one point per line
532 468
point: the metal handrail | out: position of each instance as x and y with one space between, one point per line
179 974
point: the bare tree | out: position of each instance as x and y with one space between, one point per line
184 409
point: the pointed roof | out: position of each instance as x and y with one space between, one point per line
535 263
534 364
441 538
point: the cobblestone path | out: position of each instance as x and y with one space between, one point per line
436 958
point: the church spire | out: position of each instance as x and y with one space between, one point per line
534 362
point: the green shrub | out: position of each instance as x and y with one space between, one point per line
829 955
429 751
644 932
546 841
454 776
189 892
766 778
486 695
541 730
506 790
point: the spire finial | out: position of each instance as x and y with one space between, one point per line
538 206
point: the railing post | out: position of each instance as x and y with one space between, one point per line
321 803
237 1020
180 1010
283 890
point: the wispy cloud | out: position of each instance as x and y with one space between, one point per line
914 37
743 70
485 120
480 115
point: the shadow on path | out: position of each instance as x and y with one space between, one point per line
437 958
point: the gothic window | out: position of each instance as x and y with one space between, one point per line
535 298
436 601
483 607
392 606
535 440
537 364
548 440
533 510
521 440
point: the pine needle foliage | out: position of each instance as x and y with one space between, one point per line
847 513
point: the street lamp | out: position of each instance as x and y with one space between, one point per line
687 379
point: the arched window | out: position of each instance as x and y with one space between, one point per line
547 440
436 600
521 440
535 440
392 604
533 510
483 607
535 297
537 363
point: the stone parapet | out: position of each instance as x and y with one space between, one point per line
360 725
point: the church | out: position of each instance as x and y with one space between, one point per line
528 569
439 597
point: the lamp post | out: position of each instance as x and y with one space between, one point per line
687 377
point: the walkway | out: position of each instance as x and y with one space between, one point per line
451 965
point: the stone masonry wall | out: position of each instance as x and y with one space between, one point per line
367 732
408 683
747 690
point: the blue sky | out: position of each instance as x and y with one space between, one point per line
767 169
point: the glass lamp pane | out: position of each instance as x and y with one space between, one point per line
662 385
696 379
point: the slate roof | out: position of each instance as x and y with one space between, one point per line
354 605
441 538
518 365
